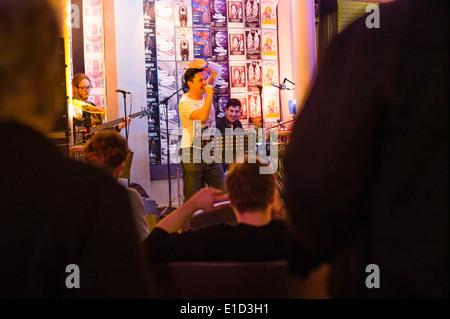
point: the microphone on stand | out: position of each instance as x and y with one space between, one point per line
280 86
286 79
122 91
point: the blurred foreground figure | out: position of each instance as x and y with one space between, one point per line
64 227
367 166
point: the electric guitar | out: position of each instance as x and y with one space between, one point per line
90 130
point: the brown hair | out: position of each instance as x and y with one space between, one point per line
78 78
248 189
106 149
189 75
234 102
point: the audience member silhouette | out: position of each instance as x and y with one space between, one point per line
367 164
66 229
108 150
252 196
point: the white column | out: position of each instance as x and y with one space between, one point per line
124 40
304 48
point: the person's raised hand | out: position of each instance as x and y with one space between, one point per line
197 64
209 199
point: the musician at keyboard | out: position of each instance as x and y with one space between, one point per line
230 120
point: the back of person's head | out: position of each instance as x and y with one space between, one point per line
106 149
234 102
78 78
190 73
29 33
248 189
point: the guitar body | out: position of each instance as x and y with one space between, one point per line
85 131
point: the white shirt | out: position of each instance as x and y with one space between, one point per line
186 107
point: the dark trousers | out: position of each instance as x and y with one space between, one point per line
198 175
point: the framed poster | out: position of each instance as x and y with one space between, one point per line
252 14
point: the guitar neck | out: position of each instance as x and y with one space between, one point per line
113 123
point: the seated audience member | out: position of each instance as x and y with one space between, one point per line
108 150
367 165
252 196
66 230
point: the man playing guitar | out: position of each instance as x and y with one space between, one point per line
85 112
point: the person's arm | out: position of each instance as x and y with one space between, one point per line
216 70
202 200
202 114
122 125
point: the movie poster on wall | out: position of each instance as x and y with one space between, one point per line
242 97
154 147
151 76
183 13
201 13
253 43
167 87
221 99
165 40
254 70
184 44
269 14
236 44
174 145
164 15
223 83
149 13
92 11
219 44
252 14
181 69
93 41
95 69
235 14
218 13
150 42
254 104
238 76
270 71
271 106
269 44
202 43
153 112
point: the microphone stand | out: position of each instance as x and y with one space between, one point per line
126 122
282 123
166 103
125 114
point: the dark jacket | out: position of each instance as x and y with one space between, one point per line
57 212
367 164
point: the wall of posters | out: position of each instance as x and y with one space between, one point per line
94 55
239 35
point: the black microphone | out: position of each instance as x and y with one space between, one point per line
122 91
286 79
280 86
